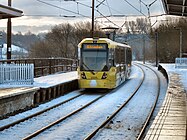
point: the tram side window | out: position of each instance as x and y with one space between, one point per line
129 57
117 56
111 57
122 55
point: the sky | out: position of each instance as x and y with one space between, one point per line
41 15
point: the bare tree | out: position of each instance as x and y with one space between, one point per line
63 39
169 39
40 49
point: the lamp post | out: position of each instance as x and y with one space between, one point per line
180 51
156 46
1 46
9 25
180 37
92 18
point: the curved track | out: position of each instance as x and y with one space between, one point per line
153 107
76 111
103 122
109 119
92 134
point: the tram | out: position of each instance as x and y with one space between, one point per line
103 63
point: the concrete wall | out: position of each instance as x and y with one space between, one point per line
17 101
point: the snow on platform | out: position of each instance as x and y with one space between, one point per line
7 90
55 79
170 122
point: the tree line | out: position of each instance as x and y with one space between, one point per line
62 40
168 34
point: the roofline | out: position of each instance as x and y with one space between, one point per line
165 6
175 7
106 39
9 12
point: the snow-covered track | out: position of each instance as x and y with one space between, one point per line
92 134
153 107
118 120
61 119
38 113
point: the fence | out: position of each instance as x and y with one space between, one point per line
17 74
46 66
181 63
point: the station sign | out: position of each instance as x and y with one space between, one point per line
100 46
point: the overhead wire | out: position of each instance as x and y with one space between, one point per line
140 6
67 16
134 7
66 10
62 8
99 12
77 7
100 3
161 6
109 7
107 18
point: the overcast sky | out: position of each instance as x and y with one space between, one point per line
46 13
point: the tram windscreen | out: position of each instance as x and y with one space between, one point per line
94 57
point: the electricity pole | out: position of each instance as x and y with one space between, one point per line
92 18
156 45
143 49
9 26
180 53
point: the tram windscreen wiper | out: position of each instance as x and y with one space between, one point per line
92 71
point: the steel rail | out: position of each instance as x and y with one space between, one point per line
37 113
140 136
61 119
93 133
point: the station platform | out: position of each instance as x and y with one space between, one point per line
171 120
14 98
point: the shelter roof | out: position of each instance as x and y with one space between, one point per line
175 7
9 12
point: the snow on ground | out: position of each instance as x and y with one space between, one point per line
14 49
17 52
170 68
39 108
55 79
47 81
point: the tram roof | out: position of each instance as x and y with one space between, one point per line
9 12
175 7
113 43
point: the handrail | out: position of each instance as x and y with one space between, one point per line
46 66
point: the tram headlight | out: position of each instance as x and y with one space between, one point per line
83 76
104 76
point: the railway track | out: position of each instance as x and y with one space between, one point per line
140 136
109 119
92 134
102 123
76 111
38 113
61 119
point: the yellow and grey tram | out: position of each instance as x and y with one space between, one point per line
103 63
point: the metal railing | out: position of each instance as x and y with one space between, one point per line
19 74
46 66
181 63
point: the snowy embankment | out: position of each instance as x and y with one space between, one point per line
17 52
170 68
